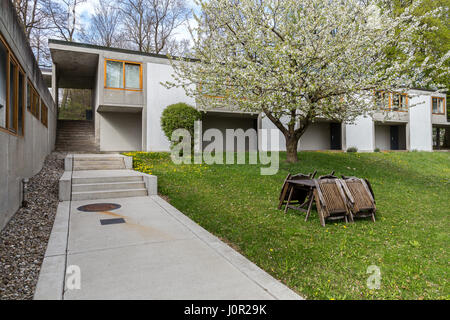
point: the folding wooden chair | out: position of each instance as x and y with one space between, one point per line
331 201
290 195
360 196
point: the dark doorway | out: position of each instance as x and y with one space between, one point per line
394 138
335 136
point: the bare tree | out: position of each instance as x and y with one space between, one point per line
63 15
150 24
105 24
27 11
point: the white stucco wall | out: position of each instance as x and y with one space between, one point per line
158 98
120 131
360 134
420 127
316 137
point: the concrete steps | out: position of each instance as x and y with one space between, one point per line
108 188
87 163
85 187
75 135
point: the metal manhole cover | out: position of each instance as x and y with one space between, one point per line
99 207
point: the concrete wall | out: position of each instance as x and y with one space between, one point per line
360 134
22 157
420 126
120 131
158 98
222 122
316 137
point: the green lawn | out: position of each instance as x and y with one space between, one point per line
409 242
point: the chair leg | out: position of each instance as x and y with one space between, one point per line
351 217
373 216
283 195
311 200
289 199
319 209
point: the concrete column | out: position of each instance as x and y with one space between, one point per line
420 127
361 134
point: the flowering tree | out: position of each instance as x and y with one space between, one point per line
300 61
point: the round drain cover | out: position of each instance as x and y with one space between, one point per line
99 207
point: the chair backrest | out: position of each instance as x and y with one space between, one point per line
285 186
358 193
329 176
331 196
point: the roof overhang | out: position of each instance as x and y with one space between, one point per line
76 68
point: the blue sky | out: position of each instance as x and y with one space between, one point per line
86 9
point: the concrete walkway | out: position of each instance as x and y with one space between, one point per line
158 253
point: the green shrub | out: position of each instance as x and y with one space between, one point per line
352 149
377 150
179 116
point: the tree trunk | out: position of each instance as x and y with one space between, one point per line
291 148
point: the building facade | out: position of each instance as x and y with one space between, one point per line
128 100
27 114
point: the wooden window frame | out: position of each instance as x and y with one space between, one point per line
14 128
406 109
390 101
443 104
44 114
124 62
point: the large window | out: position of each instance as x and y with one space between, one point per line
438 105
123 75
391 101
11 91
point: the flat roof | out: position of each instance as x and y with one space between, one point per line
112 49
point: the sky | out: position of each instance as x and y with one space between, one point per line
87 9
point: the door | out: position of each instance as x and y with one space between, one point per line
394 138
336 136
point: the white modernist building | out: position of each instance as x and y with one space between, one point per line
128 100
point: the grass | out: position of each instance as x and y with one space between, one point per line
409 242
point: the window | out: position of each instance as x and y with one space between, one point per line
11 91
391 101
382 100
33 101
3 83
21 103
438 105
44 114
123 75
399 102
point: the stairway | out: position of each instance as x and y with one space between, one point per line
81 163
108 188
75 135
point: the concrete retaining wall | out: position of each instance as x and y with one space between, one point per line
22 157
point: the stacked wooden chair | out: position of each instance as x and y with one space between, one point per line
361 200
331 200
297 196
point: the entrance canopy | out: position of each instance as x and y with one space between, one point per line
75 67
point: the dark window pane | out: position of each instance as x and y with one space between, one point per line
12 97
3 64
20 104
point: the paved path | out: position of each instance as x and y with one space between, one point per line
158 253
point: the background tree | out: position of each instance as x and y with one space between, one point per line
150 24
300 63
104 27
64 17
